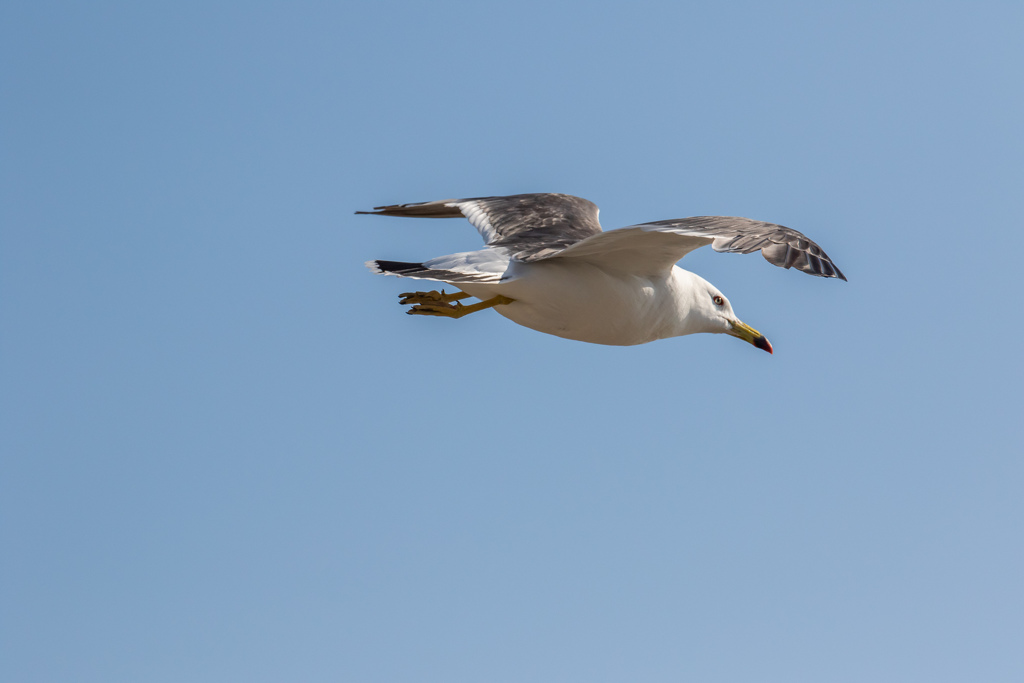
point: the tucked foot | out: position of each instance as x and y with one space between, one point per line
438 308
431 297
456 310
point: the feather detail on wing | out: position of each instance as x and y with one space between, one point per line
652 248
534 227
529 226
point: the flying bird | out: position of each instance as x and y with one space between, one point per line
547 265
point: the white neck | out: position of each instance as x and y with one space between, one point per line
689 292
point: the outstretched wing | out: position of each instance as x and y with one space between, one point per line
529 226
652 248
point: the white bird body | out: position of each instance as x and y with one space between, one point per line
585 302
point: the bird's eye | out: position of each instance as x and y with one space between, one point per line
718 300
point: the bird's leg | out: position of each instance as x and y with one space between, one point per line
431 297
457 310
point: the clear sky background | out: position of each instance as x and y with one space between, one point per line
227 455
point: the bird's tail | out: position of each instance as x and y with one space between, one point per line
432 270
401 268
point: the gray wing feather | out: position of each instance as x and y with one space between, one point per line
780 246
529 226
651 248
442 208
533 227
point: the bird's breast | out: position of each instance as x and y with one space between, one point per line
584 302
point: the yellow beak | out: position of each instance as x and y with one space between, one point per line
750 335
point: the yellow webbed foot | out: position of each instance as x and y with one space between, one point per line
455 310
431 297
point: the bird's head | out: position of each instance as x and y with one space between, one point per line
718 315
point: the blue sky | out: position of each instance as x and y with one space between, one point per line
228 456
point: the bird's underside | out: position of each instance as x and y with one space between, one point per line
546 257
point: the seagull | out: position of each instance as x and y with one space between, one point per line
547 265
